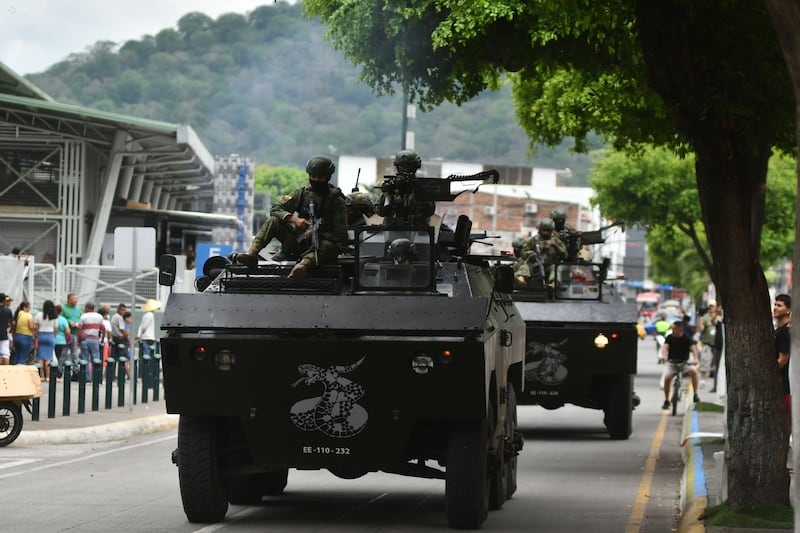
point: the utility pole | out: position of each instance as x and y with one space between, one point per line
409 111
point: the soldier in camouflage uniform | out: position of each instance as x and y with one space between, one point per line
294 230
406 163
359 207
545 249
569 235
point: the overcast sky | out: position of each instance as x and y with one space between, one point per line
34 34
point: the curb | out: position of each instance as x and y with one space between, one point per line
694 496
99 433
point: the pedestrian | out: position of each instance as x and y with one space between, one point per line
46 327
63 339
105 340
72 313
90 330
6 324
294 231
119 335
677 348
147 330
782 313
24 329
128 318
707 327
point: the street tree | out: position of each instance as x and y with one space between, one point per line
706 77
656 189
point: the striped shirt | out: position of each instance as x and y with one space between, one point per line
91 326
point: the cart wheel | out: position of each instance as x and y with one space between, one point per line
10 422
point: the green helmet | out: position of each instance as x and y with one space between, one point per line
402 248
320 166
559 214
519 242
358 204
547 223
407 161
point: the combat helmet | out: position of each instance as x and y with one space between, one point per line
358 204
546 223
320 166
402 247
407 161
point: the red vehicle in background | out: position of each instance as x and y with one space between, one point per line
647 303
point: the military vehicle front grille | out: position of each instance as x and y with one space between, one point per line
265 285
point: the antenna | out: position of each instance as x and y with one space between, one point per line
355 189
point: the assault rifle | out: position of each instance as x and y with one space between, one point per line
313 228
540 262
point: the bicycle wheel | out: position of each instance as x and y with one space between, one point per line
676 395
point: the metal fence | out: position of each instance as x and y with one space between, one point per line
99 284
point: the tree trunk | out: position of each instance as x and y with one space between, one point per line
786 21
731 177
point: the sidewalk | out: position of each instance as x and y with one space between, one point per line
703 482
94 426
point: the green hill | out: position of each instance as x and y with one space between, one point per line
269 86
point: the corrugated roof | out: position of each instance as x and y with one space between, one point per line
14 84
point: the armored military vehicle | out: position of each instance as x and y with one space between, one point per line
581 342
391 360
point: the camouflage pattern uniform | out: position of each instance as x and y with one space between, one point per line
359 206
569 235
332 231
553 251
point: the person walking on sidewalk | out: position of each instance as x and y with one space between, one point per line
707 326
782 313
6 324
46 323
677 348
24 329
72 313
90 328
119 334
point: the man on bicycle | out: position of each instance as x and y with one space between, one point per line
675 353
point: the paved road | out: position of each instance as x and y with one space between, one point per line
571 478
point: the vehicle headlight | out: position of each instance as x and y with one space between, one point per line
601 341
421 363
224 359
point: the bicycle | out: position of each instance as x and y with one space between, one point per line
676 386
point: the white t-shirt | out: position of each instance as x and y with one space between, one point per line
147 330
45 325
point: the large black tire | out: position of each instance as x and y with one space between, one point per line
10 423
467 476
619 409
511 432
273 483
203 491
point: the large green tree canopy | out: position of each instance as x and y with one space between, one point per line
702 76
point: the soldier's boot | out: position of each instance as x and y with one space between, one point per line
300 270
250 258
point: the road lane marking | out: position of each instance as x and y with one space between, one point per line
86 457
20 462
637 513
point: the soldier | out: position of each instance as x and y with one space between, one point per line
406 164
402 251
541 253
359 208
569 235
295 230
517 246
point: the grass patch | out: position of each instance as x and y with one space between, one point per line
709 407
767 516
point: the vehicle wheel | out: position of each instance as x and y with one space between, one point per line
497 470
245 490
202 489
10 422
619 410
274 482
676 396
467 476
511 433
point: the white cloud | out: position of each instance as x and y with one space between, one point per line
39 33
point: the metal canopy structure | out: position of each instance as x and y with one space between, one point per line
64 167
